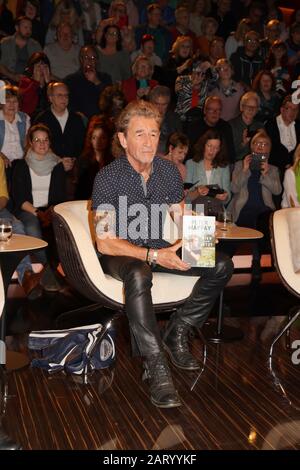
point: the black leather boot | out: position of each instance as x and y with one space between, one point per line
175 340
6 443
162 390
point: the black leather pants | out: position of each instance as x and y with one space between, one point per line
137 278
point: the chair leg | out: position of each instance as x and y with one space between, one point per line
286 328
202 338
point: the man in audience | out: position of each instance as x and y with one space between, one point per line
161 97
247 61
145 179
67 130
284 131
86 85
211 120
17 49
63 54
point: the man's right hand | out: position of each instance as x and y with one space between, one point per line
168 258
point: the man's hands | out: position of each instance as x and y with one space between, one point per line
168 258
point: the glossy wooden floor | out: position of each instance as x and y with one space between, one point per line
236 404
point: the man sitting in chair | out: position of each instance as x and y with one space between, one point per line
131 189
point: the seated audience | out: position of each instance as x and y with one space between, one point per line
111 103
199 9
228 90
209 28
160 96
181 26
27 279
291 183
284 131
209 166
112 58
254 183
17 49
140 84
13 127
38 183
247 61
236 38
265 86
89 81
277 63
33 84
244 126
63 54
96 154
147 49
178 146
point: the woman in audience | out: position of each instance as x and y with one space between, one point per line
209 29
31 10
179 62
291 183
199 9
236 39
228 90
140 84
96 154
65 12
254 182
178 146
113 59
265 86
33 84
111 103
38 183
277 63
209 166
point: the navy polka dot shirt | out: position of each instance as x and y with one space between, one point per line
136 203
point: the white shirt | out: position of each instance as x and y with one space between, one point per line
208 175
12 147
40 189
287 134
62 119
290 196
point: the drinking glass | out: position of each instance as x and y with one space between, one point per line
226 219
5 230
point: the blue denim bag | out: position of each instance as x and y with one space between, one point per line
73 349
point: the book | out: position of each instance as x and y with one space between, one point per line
198 241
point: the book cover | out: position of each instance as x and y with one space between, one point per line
198 241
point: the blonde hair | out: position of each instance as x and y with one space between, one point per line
178 43
261 134
248 96
141 58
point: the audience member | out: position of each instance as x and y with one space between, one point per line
253 187
63 54
65 12
17 49
228 90
277 63
38 184
90 16
291 183
88 81
209 166
199 9
272 33
113 60
244 126
178 146
236 38
160 96
209 29
33 84
179 62
140 84
111 103
265 86
147 49
247 61
225 18
284 131
181 27
95 155
32 11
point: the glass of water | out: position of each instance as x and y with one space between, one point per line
5 229
226 219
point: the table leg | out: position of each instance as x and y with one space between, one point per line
11 359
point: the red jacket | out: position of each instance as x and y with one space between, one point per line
129 88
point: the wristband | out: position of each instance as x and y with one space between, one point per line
154 257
